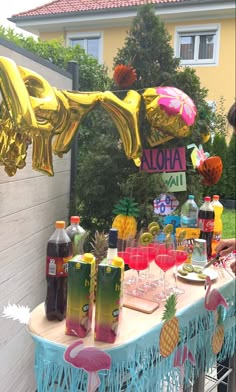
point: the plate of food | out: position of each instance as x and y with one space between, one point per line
195 273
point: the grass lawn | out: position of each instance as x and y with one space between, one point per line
229 223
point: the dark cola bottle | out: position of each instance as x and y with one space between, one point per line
59 251
206 217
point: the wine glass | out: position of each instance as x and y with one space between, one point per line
148 252
125 255
180 257
162 247
164 262
138 262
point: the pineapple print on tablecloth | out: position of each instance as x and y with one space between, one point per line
218 337
169 336
125 221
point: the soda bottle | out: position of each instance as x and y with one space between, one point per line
59 251
206 223
189 213
77 235
218 210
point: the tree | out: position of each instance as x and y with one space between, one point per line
147 48
230 169
93 76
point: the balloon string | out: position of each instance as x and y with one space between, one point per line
125 91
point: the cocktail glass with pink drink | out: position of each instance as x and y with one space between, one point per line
138 262
164 262
180 257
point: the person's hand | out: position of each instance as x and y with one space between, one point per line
233 267
226 246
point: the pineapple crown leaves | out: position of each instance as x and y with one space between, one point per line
170 308
99 242
126 206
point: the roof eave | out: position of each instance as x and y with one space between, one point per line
169 12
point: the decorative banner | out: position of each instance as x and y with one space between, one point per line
175 182
163 160
91 359
165 204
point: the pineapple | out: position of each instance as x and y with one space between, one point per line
169 336
99 246
218 337
125 221
99 249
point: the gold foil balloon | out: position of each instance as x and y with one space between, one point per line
170 110
15 96
13 145
75 106
125 114
46 108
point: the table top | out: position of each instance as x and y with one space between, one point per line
133 324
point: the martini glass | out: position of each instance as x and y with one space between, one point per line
138 262
180 257
164 262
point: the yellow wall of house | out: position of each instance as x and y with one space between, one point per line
219 80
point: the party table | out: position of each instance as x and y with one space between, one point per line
137 364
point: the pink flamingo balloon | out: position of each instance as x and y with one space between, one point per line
90 359
213 298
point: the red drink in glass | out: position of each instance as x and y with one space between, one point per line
165 261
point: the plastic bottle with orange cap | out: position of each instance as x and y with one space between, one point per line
77 235
59 252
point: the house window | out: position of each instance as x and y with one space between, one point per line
197 45
90 43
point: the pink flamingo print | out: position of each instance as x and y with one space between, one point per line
213 298
179 361
89 359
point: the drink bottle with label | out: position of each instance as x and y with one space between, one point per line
59 252
218 210
189 213
77 235
112 245
206 217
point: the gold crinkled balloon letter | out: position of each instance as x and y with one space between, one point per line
125 114
15 96
76 105
33 111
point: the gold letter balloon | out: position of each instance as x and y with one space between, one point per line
32 111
